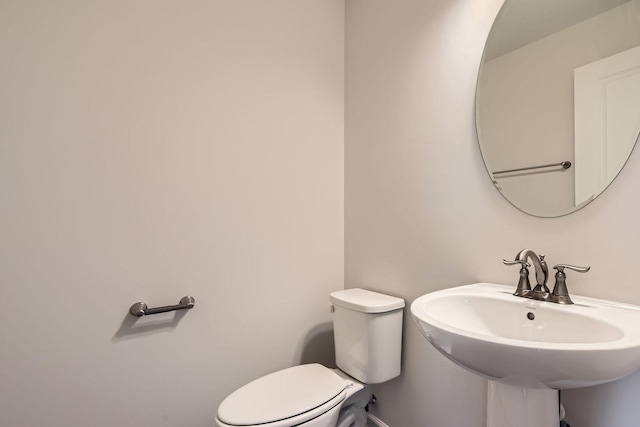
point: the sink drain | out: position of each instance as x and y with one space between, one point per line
531 316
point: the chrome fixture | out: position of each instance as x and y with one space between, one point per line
541 291
565 165
560 295
524 287
140 309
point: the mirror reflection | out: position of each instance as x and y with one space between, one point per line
558 100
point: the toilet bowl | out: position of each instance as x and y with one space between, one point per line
368 338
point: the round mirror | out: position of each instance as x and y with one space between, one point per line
558 100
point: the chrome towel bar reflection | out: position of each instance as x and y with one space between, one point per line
140 309
565 165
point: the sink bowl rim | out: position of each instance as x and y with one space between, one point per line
615 314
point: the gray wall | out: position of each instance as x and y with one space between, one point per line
422 214
150 150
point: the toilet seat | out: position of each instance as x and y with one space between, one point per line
285 398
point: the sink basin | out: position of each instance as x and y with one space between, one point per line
485 329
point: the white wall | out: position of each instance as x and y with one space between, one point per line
150 150
422 214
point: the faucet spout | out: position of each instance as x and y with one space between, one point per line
526 258
540 265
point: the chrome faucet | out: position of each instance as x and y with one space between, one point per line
525 258
541 291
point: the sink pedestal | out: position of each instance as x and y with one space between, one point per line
515 406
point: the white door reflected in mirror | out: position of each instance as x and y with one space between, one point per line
607 120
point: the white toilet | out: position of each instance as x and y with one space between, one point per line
368 340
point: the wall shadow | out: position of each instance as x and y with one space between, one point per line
318 346
133 326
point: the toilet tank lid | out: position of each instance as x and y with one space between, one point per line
284 394
366 301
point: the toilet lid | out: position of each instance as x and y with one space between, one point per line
280 395
365 301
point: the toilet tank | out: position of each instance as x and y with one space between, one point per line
368 334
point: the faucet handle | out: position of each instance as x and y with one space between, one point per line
524 287
560 292
561 267
522 262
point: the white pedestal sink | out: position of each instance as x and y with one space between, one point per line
528 348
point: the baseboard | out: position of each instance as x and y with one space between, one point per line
376 421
